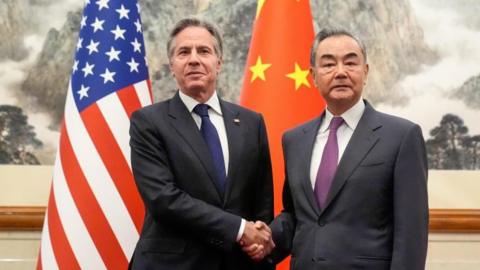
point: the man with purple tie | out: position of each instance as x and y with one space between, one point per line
355 191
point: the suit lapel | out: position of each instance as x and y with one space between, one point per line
363 139
184 124
304 154
235 133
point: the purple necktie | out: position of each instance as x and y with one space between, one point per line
210 135
328 165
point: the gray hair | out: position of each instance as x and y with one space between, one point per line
196 22
333 32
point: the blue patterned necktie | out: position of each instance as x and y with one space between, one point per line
210 135
328 164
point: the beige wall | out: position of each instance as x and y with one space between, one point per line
453 252
19 250
24 185
29 186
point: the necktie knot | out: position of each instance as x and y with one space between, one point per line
201 109
335 123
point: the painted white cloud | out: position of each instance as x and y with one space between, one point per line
429 90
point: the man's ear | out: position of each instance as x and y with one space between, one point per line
219 65
314 78
171 67
365 78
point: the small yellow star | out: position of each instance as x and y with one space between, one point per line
300 76
258 70
259 6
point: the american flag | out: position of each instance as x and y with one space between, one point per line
94 212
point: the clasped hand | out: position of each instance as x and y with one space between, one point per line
257 240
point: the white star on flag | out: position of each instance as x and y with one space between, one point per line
83 22
136 45
88 69
133 65
138 25
97 25
79 43
107 76
113 54
83 92
123 12
102 4
92 47
118 32
75 66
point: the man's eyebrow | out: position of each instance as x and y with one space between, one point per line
327 56
184 47
351 55
204 47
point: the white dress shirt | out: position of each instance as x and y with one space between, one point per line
351 118
216 117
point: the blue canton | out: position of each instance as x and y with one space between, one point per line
110 53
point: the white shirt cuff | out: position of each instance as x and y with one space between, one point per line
241 230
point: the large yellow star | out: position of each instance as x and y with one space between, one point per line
258 70
300 76
259 6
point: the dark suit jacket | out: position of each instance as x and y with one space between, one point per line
376 213
188 223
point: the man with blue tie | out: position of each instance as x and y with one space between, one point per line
202 166
355 191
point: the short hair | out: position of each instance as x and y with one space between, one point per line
196 22
333 32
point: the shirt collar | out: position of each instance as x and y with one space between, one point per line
351 116
190 102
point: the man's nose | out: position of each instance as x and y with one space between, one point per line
193 59
341 71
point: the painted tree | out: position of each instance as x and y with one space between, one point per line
17 137
472 152
447 141
435 154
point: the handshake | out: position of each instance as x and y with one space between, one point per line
256 240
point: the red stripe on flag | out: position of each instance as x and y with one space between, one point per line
39 261
114 161
61 247
129 98
149 83
92 215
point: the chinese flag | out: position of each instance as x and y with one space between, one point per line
277 82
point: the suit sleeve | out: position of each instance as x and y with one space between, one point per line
165 200
410 203
283 226
264 191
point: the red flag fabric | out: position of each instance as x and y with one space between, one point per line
277 81
94 212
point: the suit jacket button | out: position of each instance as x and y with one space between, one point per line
321 223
